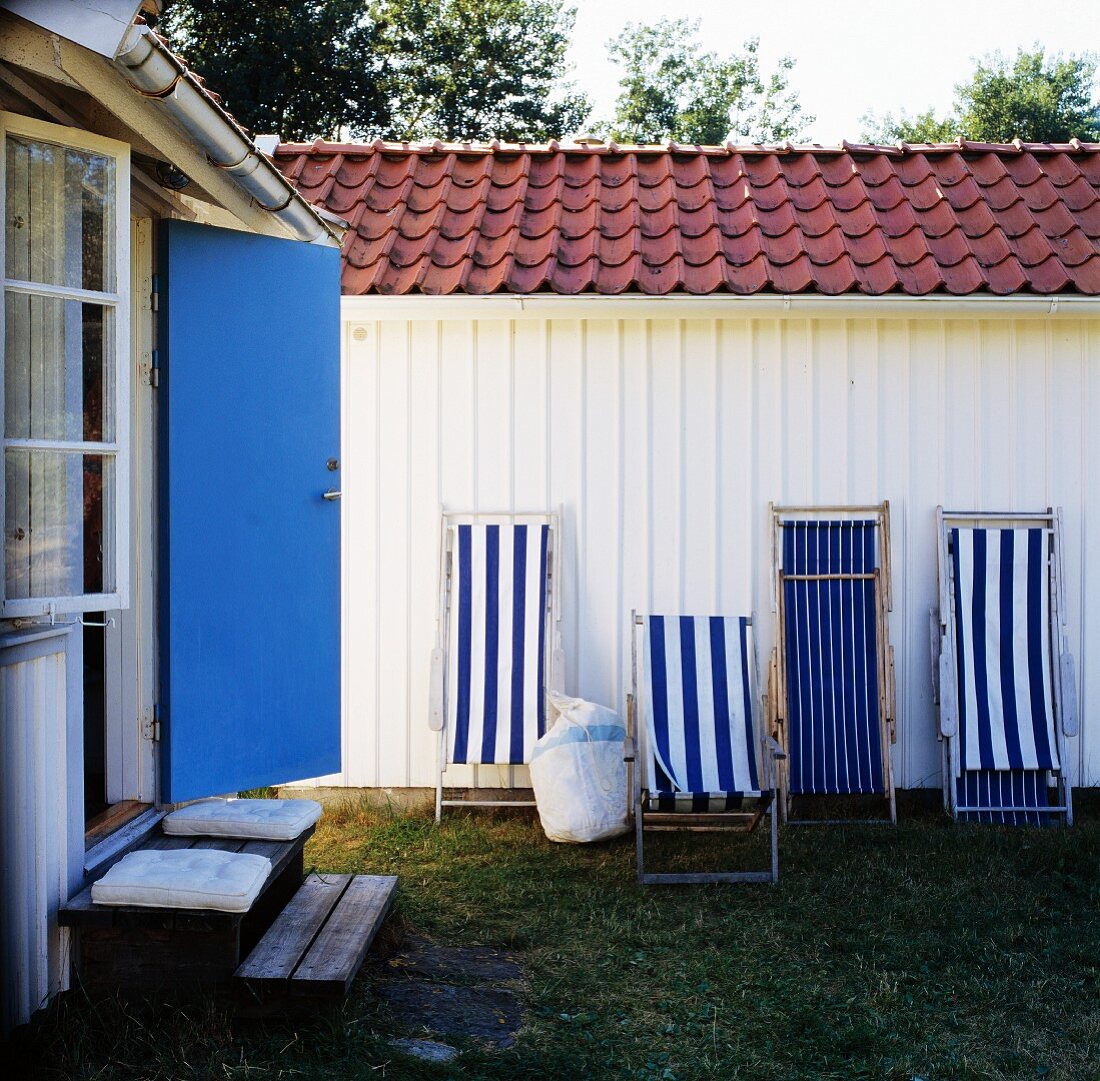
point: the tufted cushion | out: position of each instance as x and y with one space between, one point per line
184 878
256 819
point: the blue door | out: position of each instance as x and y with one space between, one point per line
249 437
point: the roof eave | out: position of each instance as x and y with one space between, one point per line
716 306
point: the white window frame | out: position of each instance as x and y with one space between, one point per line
118 301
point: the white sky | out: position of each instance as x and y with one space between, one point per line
851 57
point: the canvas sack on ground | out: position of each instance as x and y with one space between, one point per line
578 773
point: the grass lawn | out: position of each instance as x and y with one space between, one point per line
930 951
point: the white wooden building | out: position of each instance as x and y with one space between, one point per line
530 328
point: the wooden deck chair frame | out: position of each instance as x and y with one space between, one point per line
553 658
777 673
944 653
707 822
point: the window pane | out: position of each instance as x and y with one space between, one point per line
58 524
59 215
57 369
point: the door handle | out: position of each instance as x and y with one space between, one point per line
331 495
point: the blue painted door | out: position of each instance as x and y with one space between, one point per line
249 437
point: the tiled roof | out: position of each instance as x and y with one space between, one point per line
566 218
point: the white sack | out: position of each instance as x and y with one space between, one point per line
578 772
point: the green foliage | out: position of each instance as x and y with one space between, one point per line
672 88
925 127
300 70
480 69
1034 97
400 69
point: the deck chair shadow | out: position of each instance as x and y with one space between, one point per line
831 678
497 645
696 759
1003 674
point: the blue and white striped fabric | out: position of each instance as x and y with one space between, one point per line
698 709
984 790
495 681
835 736
1002 637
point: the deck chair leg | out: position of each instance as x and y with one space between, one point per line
439 768
943 775
639 840
893 797
775 840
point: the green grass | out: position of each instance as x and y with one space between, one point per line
930 951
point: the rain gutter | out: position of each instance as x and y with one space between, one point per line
156 73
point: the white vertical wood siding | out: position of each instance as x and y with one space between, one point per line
663 441
33 827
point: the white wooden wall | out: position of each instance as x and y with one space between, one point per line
663 441
33 824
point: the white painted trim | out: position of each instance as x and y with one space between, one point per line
66 446
119 300
114 844
61 292
99 25
129 644
714 306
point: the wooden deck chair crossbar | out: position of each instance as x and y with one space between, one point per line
694 753
831 678
498 646
1003 674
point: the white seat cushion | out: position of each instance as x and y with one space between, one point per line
184 878
256 819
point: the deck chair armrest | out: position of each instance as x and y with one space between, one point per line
557 670
949 713
772 745
891 696
1069 694
934 647
435 693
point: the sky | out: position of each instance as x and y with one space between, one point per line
851 57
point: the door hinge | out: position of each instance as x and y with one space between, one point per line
154 369
154 296
152 725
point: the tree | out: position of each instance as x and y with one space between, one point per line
671 88
301 70
399 69
480 69
1033 98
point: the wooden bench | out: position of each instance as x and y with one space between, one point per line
135 948
315 947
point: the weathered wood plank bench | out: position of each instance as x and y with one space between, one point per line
137 948
315 947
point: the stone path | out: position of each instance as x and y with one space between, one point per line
444 992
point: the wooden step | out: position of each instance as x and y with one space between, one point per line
318 943
135 948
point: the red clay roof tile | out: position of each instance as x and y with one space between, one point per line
957 218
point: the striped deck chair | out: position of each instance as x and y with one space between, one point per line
497 644
699 745
831 682
1005 686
